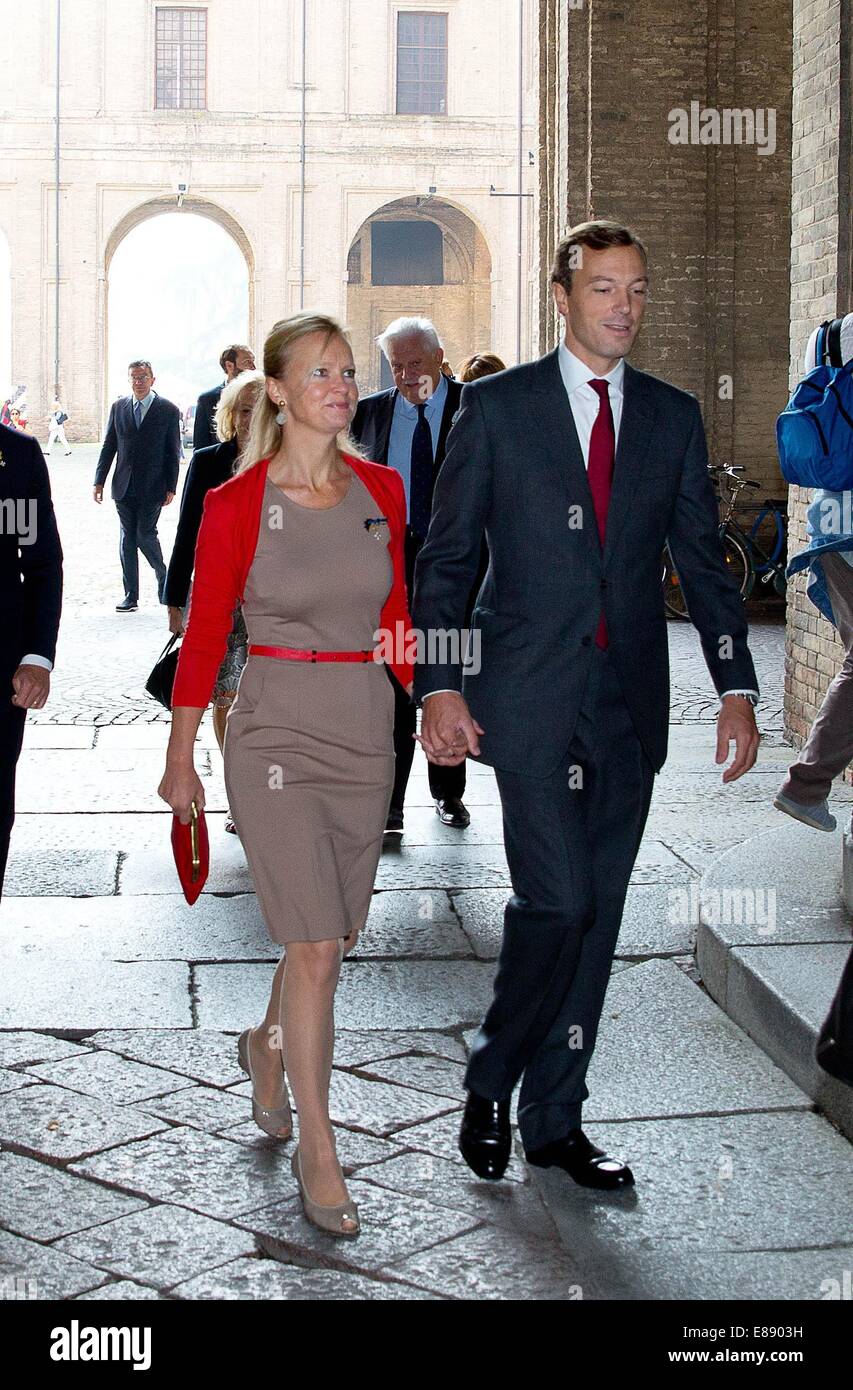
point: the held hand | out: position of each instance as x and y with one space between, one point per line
32 687
98 493
170 497
736 722
448 732
176 621
180 787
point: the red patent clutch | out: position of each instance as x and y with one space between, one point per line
192 852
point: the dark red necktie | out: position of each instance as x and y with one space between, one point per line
602 453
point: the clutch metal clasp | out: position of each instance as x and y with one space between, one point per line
194 842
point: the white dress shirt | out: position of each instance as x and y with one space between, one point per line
585 404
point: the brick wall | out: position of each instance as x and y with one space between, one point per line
818 291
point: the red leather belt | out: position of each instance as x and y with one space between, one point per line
296 654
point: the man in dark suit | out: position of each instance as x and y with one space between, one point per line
144 433
578 469
406 427
235 359
30 604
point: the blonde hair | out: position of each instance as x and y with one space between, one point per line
227 404
265 438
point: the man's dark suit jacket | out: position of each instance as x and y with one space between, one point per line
371 426
152 454
204 429
514 470
208 468
30 574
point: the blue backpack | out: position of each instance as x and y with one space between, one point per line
814 433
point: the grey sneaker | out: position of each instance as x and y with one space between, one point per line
818 817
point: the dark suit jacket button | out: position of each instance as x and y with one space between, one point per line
604 583
586 641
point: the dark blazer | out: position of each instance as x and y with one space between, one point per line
514 470
151 454
371 426
208 468
30 569
204 430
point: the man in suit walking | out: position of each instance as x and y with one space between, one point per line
406 427
30 604
578 469
144 433
236 358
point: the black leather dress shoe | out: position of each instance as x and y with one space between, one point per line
485 1139
128 605
394 823
579 1157
452 811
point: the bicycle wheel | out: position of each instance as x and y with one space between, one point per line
738 563
673 594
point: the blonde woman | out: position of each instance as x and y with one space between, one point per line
309 536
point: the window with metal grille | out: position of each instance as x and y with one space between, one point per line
181 59
421 64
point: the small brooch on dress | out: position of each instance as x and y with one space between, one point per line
373 524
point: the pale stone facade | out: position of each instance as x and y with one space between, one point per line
122 161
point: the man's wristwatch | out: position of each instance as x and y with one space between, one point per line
745 695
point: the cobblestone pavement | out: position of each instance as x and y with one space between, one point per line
131 1166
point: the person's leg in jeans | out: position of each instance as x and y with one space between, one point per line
127 516
829 747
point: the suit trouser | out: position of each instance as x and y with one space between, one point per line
829 746
12 722
138 531
571 840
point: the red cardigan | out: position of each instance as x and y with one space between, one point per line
225 549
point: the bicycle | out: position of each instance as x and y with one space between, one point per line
745 558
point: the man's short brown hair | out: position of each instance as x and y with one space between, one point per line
597 236
230 354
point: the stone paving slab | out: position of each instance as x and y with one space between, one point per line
665 1048
411 924
126 929
46 993
200 1107
110 1078
431 1074
379 994
355 1047
159 1246
733 1183
14 1080
203 1172
423 827
382 1109
17 1049
150 871
515 1205
48 1272
781 1276
355 1150
42 1202
393 1225
270 1281
199 1054
63 781
49 872
495 1264
53 1123
119 1290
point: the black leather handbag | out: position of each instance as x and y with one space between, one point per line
159 684
834 1050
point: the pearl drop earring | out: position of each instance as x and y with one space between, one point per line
282 414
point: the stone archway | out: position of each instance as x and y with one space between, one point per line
130 223
423 256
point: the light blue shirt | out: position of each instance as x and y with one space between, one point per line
146 404
403 430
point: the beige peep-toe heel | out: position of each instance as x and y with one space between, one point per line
327 1219
272 1122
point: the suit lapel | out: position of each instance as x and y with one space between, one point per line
451 405
384 417
634 437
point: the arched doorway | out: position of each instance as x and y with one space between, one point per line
179 289
418 256
6 382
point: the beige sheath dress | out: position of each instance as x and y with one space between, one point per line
309 751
